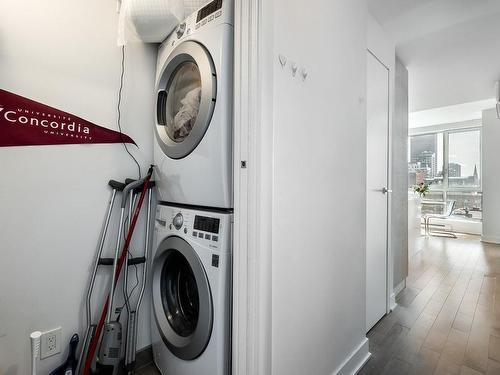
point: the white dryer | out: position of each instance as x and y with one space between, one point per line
191 292
194 78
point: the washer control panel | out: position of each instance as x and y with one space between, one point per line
208 227
213 14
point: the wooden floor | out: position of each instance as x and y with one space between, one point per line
448 318
148 370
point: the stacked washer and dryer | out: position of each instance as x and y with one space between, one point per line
192 251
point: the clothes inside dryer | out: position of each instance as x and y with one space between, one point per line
183 101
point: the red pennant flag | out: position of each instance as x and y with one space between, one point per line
24 122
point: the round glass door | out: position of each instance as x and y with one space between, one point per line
186 94
183 102
182 301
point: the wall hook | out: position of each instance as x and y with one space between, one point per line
304 73
282 60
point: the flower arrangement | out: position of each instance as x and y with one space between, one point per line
422 189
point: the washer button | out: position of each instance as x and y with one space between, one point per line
185 230
195 234
207 236
215 238
200 235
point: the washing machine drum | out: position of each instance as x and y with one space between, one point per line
186 93
182 301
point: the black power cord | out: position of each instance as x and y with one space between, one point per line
122 74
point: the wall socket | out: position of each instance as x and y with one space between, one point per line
50 343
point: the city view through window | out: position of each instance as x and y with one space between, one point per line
450 163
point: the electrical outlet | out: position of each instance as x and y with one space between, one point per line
50 343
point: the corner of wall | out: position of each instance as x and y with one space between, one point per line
490 176
379 43
356 360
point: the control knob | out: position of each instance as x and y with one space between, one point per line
178 221
180 30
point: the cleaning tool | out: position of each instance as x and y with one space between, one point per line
69 366
35 349
112 329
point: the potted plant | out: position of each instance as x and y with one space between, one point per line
422 189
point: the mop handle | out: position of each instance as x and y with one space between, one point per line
95 339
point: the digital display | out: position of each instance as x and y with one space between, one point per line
206 224
209 9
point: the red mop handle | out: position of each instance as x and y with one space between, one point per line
121 261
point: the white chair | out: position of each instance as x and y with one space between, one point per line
450 206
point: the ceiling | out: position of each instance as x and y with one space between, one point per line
450 114
450 47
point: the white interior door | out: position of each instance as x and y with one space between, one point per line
377 190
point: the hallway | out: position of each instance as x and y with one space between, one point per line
448 318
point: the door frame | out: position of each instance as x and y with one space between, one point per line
390 295
253 174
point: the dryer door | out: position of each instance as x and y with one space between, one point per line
186 92
182 301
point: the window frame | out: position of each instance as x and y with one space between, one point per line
445 188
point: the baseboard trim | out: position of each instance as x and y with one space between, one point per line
356 360
397 289
490 239
392 302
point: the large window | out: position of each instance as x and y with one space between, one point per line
450 163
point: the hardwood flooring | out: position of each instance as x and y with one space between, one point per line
448 318
148 370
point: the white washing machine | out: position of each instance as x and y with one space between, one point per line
194 79
191 297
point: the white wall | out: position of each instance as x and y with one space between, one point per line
53 198
319 132
399 211
491 176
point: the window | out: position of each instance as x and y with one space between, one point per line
464 157
426 160
450 163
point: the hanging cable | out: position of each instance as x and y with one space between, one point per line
122 74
